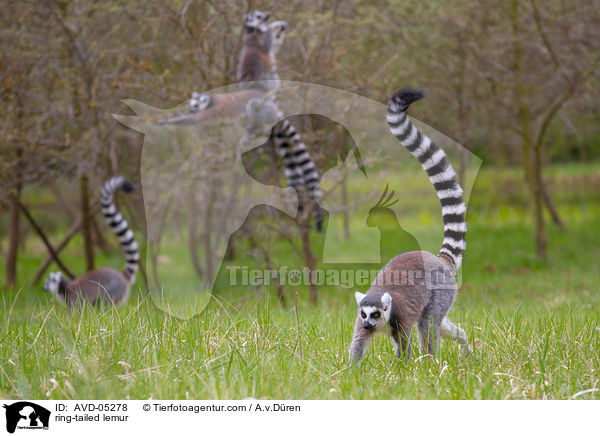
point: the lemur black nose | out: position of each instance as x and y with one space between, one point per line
367 325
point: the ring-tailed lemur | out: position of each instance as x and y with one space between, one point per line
427 298
103 286
261 42
209 107
300 170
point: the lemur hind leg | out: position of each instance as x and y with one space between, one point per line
432 316
429 332
360 342
452 331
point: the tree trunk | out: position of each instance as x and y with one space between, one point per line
267 260
86 224
62 244
541 242
208 232
44 239
98 237
14 230
309 258
69 206
340 141
193 233
346 212
530 152
532 170
551 208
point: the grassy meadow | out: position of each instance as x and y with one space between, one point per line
535 324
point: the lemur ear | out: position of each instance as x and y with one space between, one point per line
386 300
359 296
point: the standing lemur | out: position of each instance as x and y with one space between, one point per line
260 45
255 60
417 286
103 286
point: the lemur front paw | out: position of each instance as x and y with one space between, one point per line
52 282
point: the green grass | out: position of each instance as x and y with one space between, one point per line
535 324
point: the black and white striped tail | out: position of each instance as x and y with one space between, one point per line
299 168
438 168
119 225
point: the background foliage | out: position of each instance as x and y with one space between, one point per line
516 82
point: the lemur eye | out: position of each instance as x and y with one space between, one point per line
375 315
363 315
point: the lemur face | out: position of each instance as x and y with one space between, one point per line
55 285
277 29
256 20
374 309
199 102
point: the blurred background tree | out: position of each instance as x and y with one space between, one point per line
515 82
